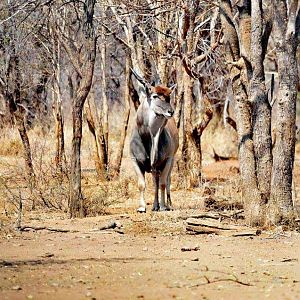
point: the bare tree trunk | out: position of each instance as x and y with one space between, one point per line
238 44
118 160
104 115
96 129
187 116
76 205
261 117
59 130
26 144
60 141
281 204
56 95
76 201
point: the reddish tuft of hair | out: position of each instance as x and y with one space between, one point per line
162 90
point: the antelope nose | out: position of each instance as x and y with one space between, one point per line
171 112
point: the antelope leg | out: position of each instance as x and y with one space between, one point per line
163 183
155 177
142 185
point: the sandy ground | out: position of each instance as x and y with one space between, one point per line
145 259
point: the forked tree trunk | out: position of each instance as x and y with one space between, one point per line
261 116
193 127
95 127
16 105
76 205
26 145
238 46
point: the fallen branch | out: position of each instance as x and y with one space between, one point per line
36 228
206 226
210 224
217 215
253 232
235 279
201 230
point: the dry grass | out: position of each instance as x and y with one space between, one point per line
50 190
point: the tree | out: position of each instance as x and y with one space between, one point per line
246 39
286 36
79 41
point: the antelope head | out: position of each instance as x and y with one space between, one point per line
158 97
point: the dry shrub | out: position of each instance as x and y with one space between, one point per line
98 197
48 189
11 147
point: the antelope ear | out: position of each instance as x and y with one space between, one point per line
172 88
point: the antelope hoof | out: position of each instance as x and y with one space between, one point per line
141 209
155 208
164 208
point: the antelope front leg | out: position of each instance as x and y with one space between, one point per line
163 183
141 184
155 177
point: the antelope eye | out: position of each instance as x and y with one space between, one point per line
155 96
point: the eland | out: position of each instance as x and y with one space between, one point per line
153 144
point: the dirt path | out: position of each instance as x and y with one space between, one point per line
141 265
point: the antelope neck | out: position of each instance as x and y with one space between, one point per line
156 123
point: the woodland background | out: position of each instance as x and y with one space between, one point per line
68 99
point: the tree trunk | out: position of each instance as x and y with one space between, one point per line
286 33
104 115
59 131
261 118
88 52
281 204
238 50
118 160
95 127
76 200
26 144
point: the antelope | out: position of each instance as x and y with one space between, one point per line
153 144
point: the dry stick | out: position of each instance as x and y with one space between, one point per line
236 280
28 227
211 224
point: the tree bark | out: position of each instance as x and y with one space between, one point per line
261 117
238 43
76 205
281 202
96 128
26 144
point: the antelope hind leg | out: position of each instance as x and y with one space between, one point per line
141 184
163 184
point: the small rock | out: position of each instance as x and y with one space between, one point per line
16 288
88 294
29 297
184 249
47 255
